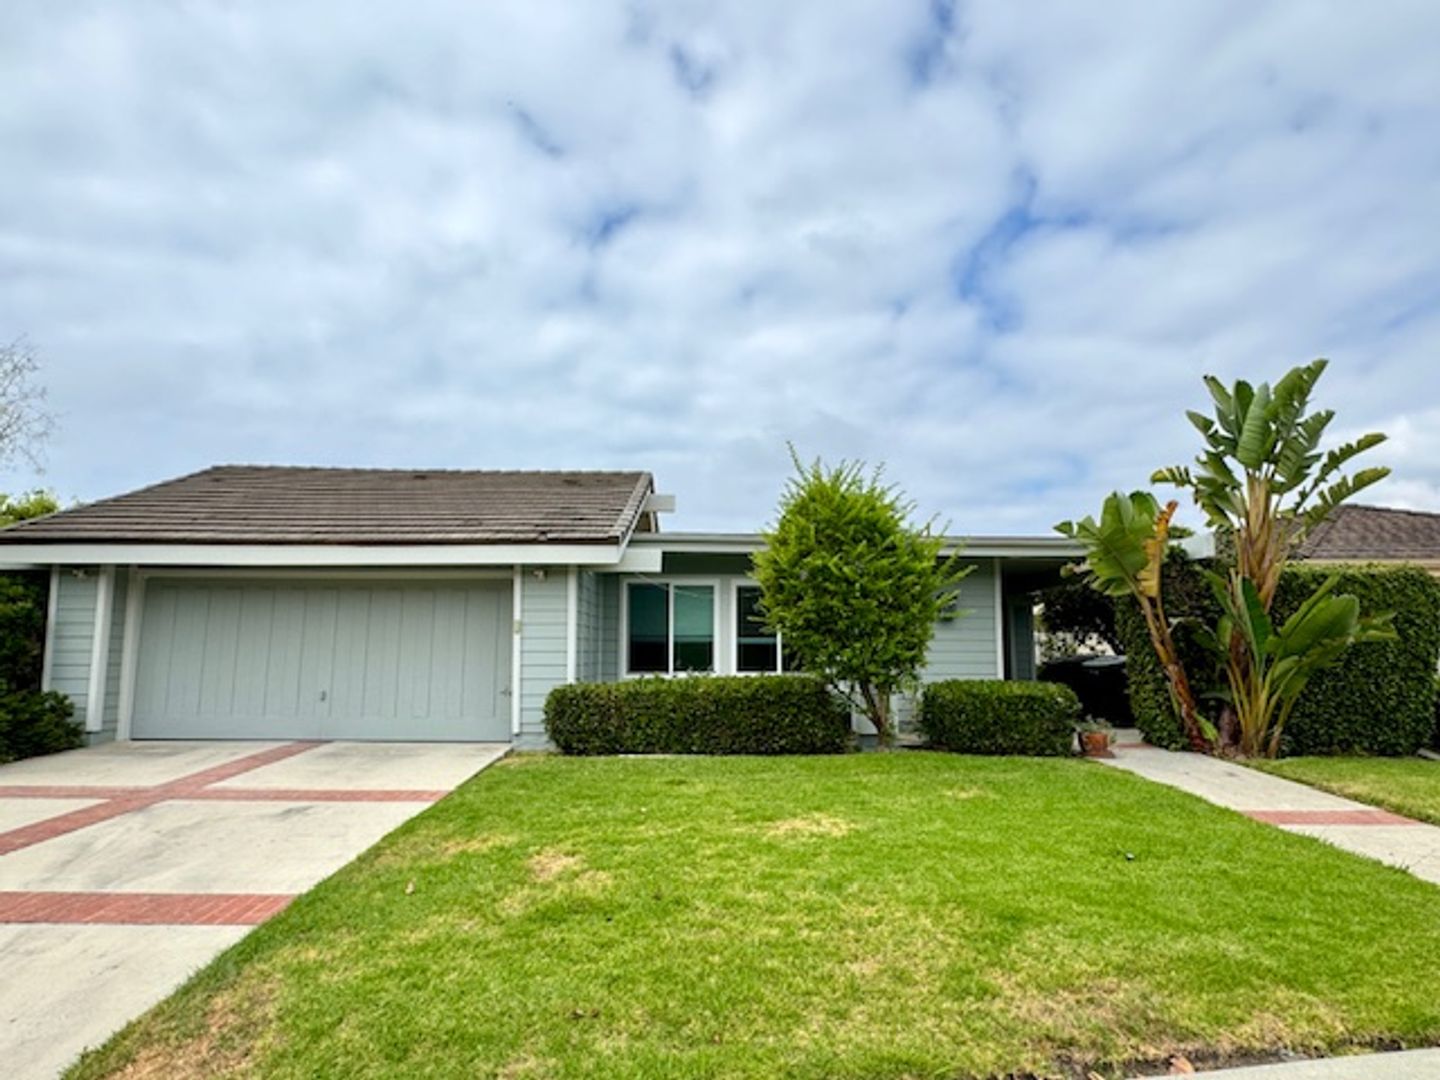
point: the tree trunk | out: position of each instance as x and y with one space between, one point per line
877 711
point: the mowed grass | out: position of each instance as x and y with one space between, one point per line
1409 786
878 915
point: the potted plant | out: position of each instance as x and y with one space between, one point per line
1094 738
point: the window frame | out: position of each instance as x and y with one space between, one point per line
670 582
735 586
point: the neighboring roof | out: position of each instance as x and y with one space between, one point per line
262 504
1059 547
1375 534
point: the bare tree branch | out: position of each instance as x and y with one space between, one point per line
25 423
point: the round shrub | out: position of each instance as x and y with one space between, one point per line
984 716
716 714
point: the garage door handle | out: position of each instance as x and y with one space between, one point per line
506 692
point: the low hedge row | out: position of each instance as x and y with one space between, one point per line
1379 699
35 722
982 716
717 714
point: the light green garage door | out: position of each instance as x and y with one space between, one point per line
236 659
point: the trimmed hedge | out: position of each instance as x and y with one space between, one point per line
35 722
1379 699
986 716
716 714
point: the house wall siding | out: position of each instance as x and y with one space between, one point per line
968 647
588 627
543 624
73 635
78 591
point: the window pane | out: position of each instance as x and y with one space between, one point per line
649 627
694 628
756 650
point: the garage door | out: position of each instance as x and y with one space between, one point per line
223 659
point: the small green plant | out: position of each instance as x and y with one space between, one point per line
853 587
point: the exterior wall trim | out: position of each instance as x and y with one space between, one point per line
52 606
572 624
999 620
275 555
517 639
130 653
100 649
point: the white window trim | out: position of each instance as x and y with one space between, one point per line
735 587
669 581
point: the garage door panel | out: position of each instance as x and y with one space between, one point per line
220 659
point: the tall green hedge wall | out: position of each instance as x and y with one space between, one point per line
1379 699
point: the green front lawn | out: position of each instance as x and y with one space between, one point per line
1409 786
877 915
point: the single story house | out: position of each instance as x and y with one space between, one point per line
317 603
1375 534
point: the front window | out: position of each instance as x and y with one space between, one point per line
757 650
671 628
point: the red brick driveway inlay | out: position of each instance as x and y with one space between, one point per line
139 798
141 909
1328 817
239 794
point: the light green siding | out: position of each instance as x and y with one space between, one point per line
968 647
543 623
608 641
588 626
71 638
72 643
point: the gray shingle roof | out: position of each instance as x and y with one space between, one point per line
1375 534
250 504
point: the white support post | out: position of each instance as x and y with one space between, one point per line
52 605
100 649
130 652
999 621
572 625
517 637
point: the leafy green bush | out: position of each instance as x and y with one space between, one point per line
22 629
762 714
985 716
1378 699
35 722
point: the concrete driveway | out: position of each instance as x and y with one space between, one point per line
125 867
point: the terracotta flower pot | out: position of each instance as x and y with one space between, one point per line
1095 743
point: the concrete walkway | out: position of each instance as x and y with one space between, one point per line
1404 1065
125 867
1356 827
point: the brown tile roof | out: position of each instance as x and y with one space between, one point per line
252 504
1375 534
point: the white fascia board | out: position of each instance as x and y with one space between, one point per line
658 504
263 555
638 560
994 547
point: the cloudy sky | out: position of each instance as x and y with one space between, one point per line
993 245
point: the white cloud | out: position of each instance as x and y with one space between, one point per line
994 250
